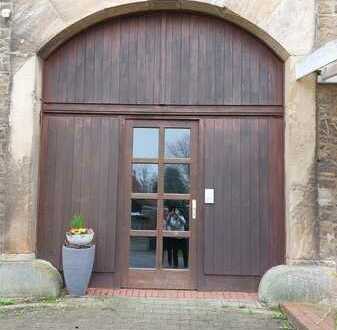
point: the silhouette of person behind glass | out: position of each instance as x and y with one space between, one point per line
176 222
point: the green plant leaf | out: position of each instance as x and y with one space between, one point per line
77 222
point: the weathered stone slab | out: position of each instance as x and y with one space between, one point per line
309 284
29 279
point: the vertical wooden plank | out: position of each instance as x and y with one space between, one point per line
203 74
219 225
116 58
275 162
48 206
42 188
263 76
50 211
237 67
132 60
113 193
163 58
219 63
89 86
92 173
77 164
176 87
255 203
98 64
185 70
246 72
245 212
70 83
124 63
63 192
63 67
168 55
236 196
107 64
79 83
228 65
157 65
194 60
142 79
279 82
209 209
264 206
150 61
50 70
227 195
85 207
210 69
254 73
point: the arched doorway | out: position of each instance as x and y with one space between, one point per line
157 114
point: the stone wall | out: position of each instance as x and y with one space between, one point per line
327 140
327 170
327 21
5 83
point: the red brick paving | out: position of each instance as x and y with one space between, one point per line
310 317
175 294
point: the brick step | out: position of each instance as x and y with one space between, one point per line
225 295
310 317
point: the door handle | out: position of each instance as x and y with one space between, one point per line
194 209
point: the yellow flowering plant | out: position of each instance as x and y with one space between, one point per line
77 225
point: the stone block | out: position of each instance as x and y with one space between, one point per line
307 284
29 279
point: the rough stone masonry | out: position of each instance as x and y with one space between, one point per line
5 83
327 140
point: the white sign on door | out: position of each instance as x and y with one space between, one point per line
209 196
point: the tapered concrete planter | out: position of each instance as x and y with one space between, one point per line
77 268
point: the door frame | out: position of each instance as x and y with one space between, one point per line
157 278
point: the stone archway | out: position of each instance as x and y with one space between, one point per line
273 25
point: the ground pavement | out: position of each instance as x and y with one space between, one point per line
123 313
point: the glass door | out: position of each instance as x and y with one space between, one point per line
161 204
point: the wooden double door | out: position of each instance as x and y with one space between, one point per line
158 249
141 185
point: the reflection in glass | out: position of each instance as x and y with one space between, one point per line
145 142
144 178
177 178
177 143
143 214
175 252
176 215
142 252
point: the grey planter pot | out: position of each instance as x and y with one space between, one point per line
77 269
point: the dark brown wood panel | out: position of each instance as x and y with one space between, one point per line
79 174
164 58
243 232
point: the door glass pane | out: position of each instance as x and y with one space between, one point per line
143 214
177 178
144 178
175 252
142 252
176 215
177 143
145 142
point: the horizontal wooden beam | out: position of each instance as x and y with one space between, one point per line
179 110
